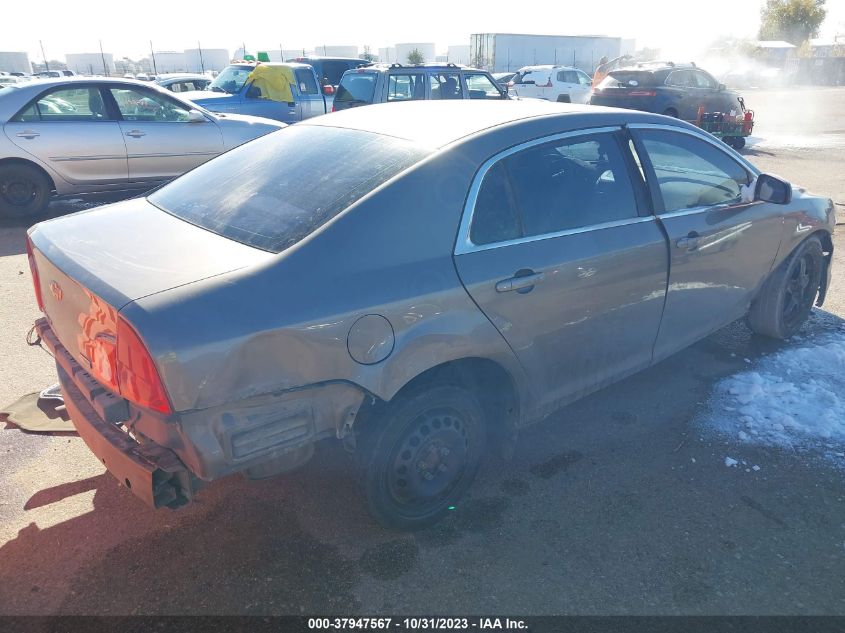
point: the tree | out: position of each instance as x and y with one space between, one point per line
795 21
367 54
416 57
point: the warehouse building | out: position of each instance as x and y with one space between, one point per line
503 52
91 63
198 60
14 62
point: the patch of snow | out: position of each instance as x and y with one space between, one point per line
730 462
755 468
794 398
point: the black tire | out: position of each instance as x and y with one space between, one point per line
24 191
422 455
672 112
564 99
787 297
739 142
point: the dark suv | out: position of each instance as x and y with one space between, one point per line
677 90
330 69
394 82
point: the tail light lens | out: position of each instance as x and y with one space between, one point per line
119 358
33 269
137 375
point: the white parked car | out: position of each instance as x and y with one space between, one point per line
552 83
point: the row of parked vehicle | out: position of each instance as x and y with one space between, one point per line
77 135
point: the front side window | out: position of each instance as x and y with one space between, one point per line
703 80
480 86
274 191
66 104
405 87
584 78
446 86
307 83
557 186
139 105
567 76
691 172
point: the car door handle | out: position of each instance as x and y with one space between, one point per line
522 282
690 242
136 133
28 134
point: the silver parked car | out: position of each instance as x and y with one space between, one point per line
412 279
83 135
183 82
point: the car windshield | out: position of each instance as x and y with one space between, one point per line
356 87
231 79
274 191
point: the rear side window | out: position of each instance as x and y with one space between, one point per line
691 172
481 86
557 186
356 88
66 104
274 191
446 86
306 81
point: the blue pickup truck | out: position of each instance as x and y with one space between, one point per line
287 92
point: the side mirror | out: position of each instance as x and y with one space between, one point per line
772 189
721 86
328 90
195 116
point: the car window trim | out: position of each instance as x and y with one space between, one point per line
463 242
653 186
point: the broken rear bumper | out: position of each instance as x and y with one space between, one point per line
152 472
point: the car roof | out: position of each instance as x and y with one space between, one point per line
547 67
387 67
436 124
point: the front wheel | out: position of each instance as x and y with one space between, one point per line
787 297
423 456
24 191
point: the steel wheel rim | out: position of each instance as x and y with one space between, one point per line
800 290
429 460
18 192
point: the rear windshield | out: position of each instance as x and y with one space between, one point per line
627 79
356 88
274 191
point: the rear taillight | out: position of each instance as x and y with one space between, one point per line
119 359
642 93
334 108
34 270
136 372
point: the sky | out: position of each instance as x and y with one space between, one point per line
676 25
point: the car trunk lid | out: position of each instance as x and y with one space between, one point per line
105 258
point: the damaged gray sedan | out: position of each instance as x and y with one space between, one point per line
418 281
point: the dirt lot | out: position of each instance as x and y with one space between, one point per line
619 504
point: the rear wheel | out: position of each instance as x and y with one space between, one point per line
24 191
564 99
672 112
787 297
423 456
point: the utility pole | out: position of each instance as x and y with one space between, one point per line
103 57
153 55
46 63
202 64
281 53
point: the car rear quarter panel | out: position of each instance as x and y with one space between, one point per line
285 324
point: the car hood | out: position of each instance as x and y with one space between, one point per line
132 249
